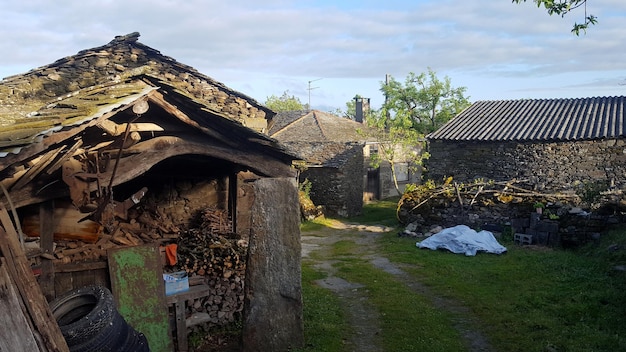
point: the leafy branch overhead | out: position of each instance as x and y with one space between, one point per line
563 7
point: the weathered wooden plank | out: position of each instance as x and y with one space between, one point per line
46 220
83 278
29 289
37 168
72 267
63 282
16 334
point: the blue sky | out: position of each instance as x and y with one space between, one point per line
496 49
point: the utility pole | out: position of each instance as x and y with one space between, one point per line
387 79
310 89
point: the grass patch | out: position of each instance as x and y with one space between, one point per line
408 321
315 225
529 299
324 324
382 212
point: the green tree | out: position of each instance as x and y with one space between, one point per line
397 142
563 7
350 112
423 99
285 102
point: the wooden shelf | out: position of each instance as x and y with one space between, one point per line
194 292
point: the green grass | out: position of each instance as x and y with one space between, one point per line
324 324
381 212
408 321
528 299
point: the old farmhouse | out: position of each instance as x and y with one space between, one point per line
552 145
121 152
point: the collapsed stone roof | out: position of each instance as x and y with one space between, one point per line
125 101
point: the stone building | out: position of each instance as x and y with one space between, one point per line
120 147
333 153
551 145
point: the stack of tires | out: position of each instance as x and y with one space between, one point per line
90 323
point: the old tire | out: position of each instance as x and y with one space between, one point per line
90 323
83 313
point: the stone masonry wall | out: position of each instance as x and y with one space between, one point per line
339 190
548 167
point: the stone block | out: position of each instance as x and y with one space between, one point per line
520 238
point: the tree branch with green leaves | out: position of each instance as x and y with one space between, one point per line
563 7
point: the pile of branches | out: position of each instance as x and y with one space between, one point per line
423 198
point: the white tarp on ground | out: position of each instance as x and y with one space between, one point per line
462 239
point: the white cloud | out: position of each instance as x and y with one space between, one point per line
497 49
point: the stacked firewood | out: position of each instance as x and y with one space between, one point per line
143 226
212 251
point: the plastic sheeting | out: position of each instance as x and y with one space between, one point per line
462 239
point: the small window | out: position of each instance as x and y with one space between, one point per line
371 150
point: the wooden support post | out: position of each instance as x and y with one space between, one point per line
29 290
179 301
232 199
46 235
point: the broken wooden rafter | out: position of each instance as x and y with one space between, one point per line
37 167
68 154
115 129
171 109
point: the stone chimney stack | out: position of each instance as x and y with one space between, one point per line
362 108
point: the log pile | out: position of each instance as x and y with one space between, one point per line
207 248
145 224
212 251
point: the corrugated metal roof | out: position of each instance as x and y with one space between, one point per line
538 120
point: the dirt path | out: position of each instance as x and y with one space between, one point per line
362 315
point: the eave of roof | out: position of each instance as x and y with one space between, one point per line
67 112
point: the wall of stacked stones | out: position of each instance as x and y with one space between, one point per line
339 189
547 167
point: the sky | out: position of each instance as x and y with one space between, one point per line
326 52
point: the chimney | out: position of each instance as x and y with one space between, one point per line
362 108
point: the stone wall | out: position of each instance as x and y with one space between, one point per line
339 189
548 167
